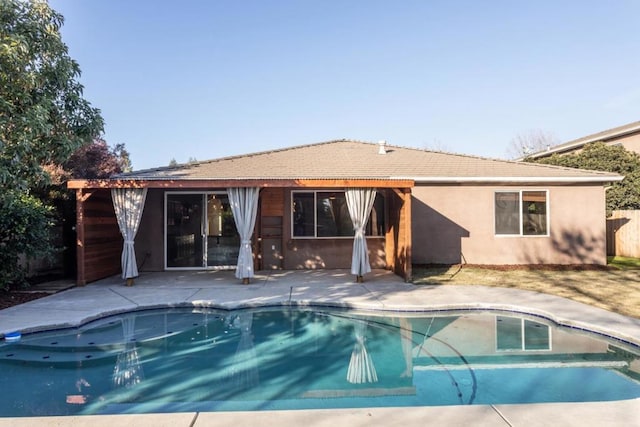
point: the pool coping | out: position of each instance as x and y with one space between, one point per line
381 291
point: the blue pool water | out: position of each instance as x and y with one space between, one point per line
207 360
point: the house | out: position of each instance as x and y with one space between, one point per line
627 136
294 208
623 226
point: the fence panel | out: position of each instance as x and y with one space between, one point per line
623 233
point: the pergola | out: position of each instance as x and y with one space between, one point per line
102 243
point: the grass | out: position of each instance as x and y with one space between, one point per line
614 288
624 263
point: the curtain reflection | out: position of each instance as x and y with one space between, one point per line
361 367
244 364
128 370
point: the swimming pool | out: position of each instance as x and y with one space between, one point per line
175 360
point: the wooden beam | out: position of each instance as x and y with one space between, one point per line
80 273
408 267
226 183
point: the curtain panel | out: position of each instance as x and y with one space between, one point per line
128 204
244 205
360 202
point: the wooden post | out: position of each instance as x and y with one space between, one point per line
408 266
80 273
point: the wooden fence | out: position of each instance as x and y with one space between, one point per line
623 233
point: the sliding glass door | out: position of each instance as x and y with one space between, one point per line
200 231
222 239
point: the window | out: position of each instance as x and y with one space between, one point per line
521 213
517 334
325 214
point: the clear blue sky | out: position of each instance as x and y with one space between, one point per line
206 79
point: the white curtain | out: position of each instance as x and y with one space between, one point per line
128 204
244 205
360 202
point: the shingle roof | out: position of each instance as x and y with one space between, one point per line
580 142
348 159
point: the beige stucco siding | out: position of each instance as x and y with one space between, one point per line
630 142
456 225
450 224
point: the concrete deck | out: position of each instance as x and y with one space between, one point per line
380 291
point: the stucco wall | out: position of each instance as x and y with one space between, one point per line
630 142
150 238
456 225
329 253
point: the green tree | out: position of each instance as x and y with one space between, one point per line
610 158
43 120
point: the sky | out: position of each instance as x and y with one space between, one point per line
203 79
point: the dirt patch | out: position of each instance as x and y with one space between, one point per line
11 298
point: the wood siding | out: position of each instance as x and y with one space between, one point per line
398 236
99 244
623 233
270 229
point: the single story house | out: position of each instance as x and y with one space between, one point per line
627 136
339 204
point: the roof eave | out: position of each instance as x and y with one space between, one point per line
185 183
515 180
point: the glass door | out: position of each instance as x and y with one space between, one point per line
223 241
184 226
200 231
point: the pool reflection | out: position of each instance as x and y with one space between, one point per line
207 360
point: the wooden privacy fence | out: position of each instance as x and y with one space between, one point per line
623 233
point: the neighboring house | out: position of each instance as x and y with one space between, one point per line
627 136
429 208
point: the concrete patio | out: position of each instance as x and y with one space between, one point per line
381 291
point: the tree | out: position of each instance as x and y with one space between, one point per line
610 158
530 142
96 160
43 120
91 161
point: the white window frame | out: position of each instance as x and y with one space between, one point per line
520 216
523 338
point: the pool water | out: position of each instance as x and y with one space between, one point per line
177 360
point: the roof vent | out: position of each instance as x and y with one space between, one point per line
382 147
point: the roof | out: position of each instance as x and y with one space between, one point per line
576 144
348 159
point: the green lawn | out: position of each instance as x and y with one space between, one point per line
624 263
